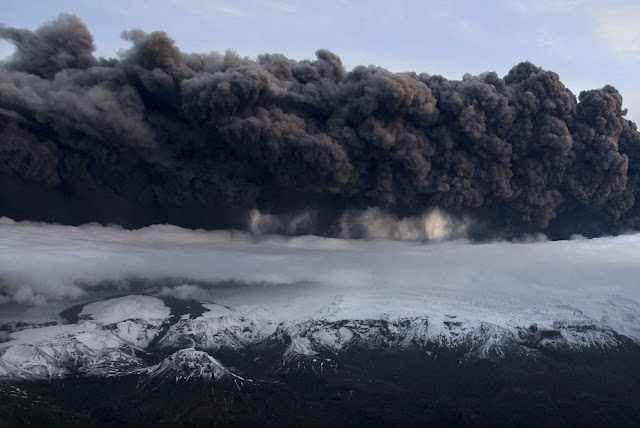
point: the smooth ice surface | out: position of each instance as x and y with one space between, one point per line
125 308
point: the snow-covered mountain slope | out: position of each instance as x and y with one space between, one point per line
188 364
221 328
135 319
48 352
106 340
315 336
114 336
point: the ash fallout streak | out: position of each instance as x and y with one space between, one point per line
203 140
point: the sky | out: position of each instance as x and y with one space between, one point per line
588 43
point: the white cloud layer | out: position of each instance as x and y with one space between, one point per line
41 262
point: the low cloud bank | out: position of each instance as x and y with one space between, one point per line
43 262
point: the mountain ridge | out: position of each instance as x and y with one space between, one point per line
123 338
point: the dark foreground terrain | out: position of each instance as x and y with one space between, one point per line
356 388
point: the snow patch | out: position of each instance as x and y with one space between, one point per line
127 307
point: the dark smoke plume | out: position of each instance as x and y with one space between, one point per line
202 140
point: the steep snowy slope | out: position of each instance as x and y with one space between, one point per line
106 340
187 364
47 352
